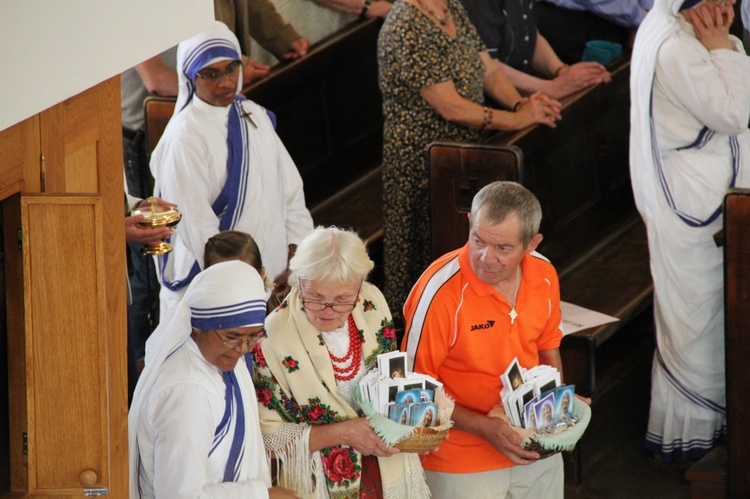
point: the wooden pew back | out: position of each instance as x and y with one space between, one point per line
457 172
737 344
580 169
329 110
158 111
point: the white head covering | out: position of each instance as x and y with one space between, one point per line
226 295
659 24
217 43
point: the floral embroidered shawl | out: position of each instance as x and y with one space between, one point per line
296 388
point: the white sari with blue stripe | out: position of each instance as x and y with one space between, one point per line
194 429
225 168
689 143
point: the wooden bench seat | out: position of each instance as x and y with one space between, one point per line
358 206
612 278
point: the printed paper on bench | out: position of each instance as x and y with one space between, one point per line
575 318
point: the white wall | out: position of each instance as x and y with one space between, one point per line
51 50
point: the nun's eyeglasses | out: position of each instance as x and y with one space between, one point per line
235 343
214 74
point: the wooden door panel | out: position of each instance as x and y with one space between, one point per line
89 124
66 354
20 155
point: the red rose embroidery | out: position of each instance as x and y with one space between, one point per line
258 356
389 333
264 395
339 466
290 364
315 413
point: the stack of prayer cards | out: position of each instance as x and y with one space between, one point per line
405 397
535 399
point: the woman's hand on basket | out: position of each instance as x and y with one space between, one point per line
359 435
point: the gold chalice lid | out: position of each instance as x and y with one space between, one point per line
158 216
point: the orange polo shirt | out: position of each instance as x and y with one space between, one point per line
458 330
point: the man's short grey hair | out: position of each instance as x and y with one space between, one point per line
331 255
499 199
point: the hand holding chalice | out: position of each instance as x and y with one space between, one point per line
152 222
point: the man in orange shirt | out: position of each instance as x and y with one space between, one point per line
471 312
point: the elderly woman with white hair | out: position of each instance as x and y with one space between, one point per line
689 144
321 340
194 428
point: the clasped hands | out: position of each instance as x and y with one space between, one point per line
577 77
539 108
711 23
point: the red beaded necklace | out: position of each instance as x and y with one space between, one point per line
354 354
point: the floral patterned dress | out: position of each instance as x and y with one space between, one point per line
296 389
413 53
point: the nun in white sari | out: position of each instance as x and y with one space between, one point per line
689 143
194 429
222 163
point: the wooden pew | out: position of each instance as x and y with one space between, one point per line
737 341
329 113
457 172
721 473
157 111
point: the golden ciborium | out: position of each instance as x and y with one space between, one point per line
155 217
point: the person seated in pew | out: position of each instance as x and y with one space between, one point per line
433 72
221 161
194 427
509 30
316 19
689 143
238 245
468 316
569 24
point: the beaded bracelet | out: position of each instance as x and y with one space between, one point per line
487 117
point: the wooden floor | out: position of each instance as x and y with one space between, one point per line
615 464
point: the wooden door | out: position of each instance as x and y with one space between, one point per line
59 361
66 296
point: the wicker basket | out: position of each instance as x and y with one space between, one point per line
422 440
547 446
